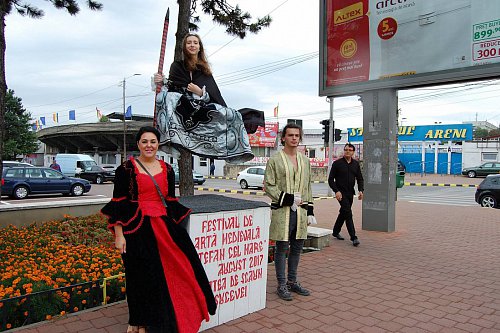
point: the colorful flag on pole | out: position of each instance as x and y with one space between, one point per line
72 115
42 120
55 117
99 114
276 110
128 114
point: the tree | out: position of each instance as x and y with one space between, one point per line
25 9
494 132
480 133
236 23
19 139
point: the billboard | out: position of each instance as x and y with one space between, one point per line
264 136
377 44
455 132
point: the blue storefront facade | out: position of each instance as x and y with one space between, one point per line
428 148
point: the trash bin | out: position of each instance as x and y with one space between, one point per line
400 179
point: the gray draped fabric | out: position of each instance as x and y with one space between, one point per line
219 133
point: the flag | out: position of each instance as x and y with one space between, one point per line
128 114
276 110
37 126
55 117
99 114
42 120
72 115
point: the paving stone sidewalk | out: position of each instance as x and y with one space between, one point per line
438 272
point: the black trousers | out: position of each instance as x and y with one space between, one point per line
345 215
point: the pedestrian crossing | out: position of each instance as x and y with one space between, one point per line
449 196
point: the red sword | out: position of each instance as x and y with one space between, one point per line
162 56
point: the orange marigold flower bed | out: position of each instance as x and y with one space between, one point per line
53 255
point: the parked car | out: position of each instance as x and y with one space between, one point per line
251 177
482 170
488 192
198 178
109 167
19 182
10 164
96 174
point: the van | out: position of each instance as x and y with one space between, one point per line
73 164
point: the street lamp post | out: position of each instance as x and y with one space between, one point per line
124 158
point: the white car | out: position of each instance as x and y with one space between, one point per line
251 177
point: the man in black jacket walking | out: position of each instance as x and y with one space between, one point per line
345 171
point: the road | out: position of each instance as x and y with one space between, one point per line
451 196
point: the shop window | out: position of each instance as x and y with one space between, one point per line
489 156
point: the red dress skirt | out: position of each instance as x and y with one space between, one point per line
162 266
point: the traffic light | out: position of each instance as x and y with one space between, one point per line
326 130
337 134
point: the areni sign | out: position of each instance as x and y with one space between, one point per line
376 44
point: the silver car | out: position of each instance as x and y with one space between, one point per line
252 177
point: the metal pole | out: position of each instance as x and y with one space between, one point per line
330 145
124 158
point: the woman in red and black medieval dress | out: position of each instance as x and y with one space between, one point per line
167 287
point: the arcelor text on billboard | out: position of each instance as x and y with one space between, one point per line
377 44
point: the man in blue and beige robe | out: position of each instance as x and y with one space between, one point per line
287 182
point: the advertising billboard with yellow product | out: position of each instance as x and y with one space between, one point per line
376 44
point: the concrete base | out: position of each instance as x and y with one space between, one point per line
25 214
317 238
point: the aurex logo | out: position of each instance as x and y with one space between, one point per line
386 3
348 13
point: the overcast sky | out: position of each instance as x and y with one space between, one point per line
62 62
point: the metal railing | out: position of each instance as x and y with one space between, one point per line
43 305
104 286
422 166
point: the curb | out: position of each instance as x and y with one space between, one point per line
439 184
406 183
259 193
218 190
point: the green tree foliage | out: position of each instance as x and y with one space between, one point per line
104 119
494 132
25 9
19 139
237 23
480 133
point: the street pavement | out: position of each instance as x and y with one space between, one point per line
438 272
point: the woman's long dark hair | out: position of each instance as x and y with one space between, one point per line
200 62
